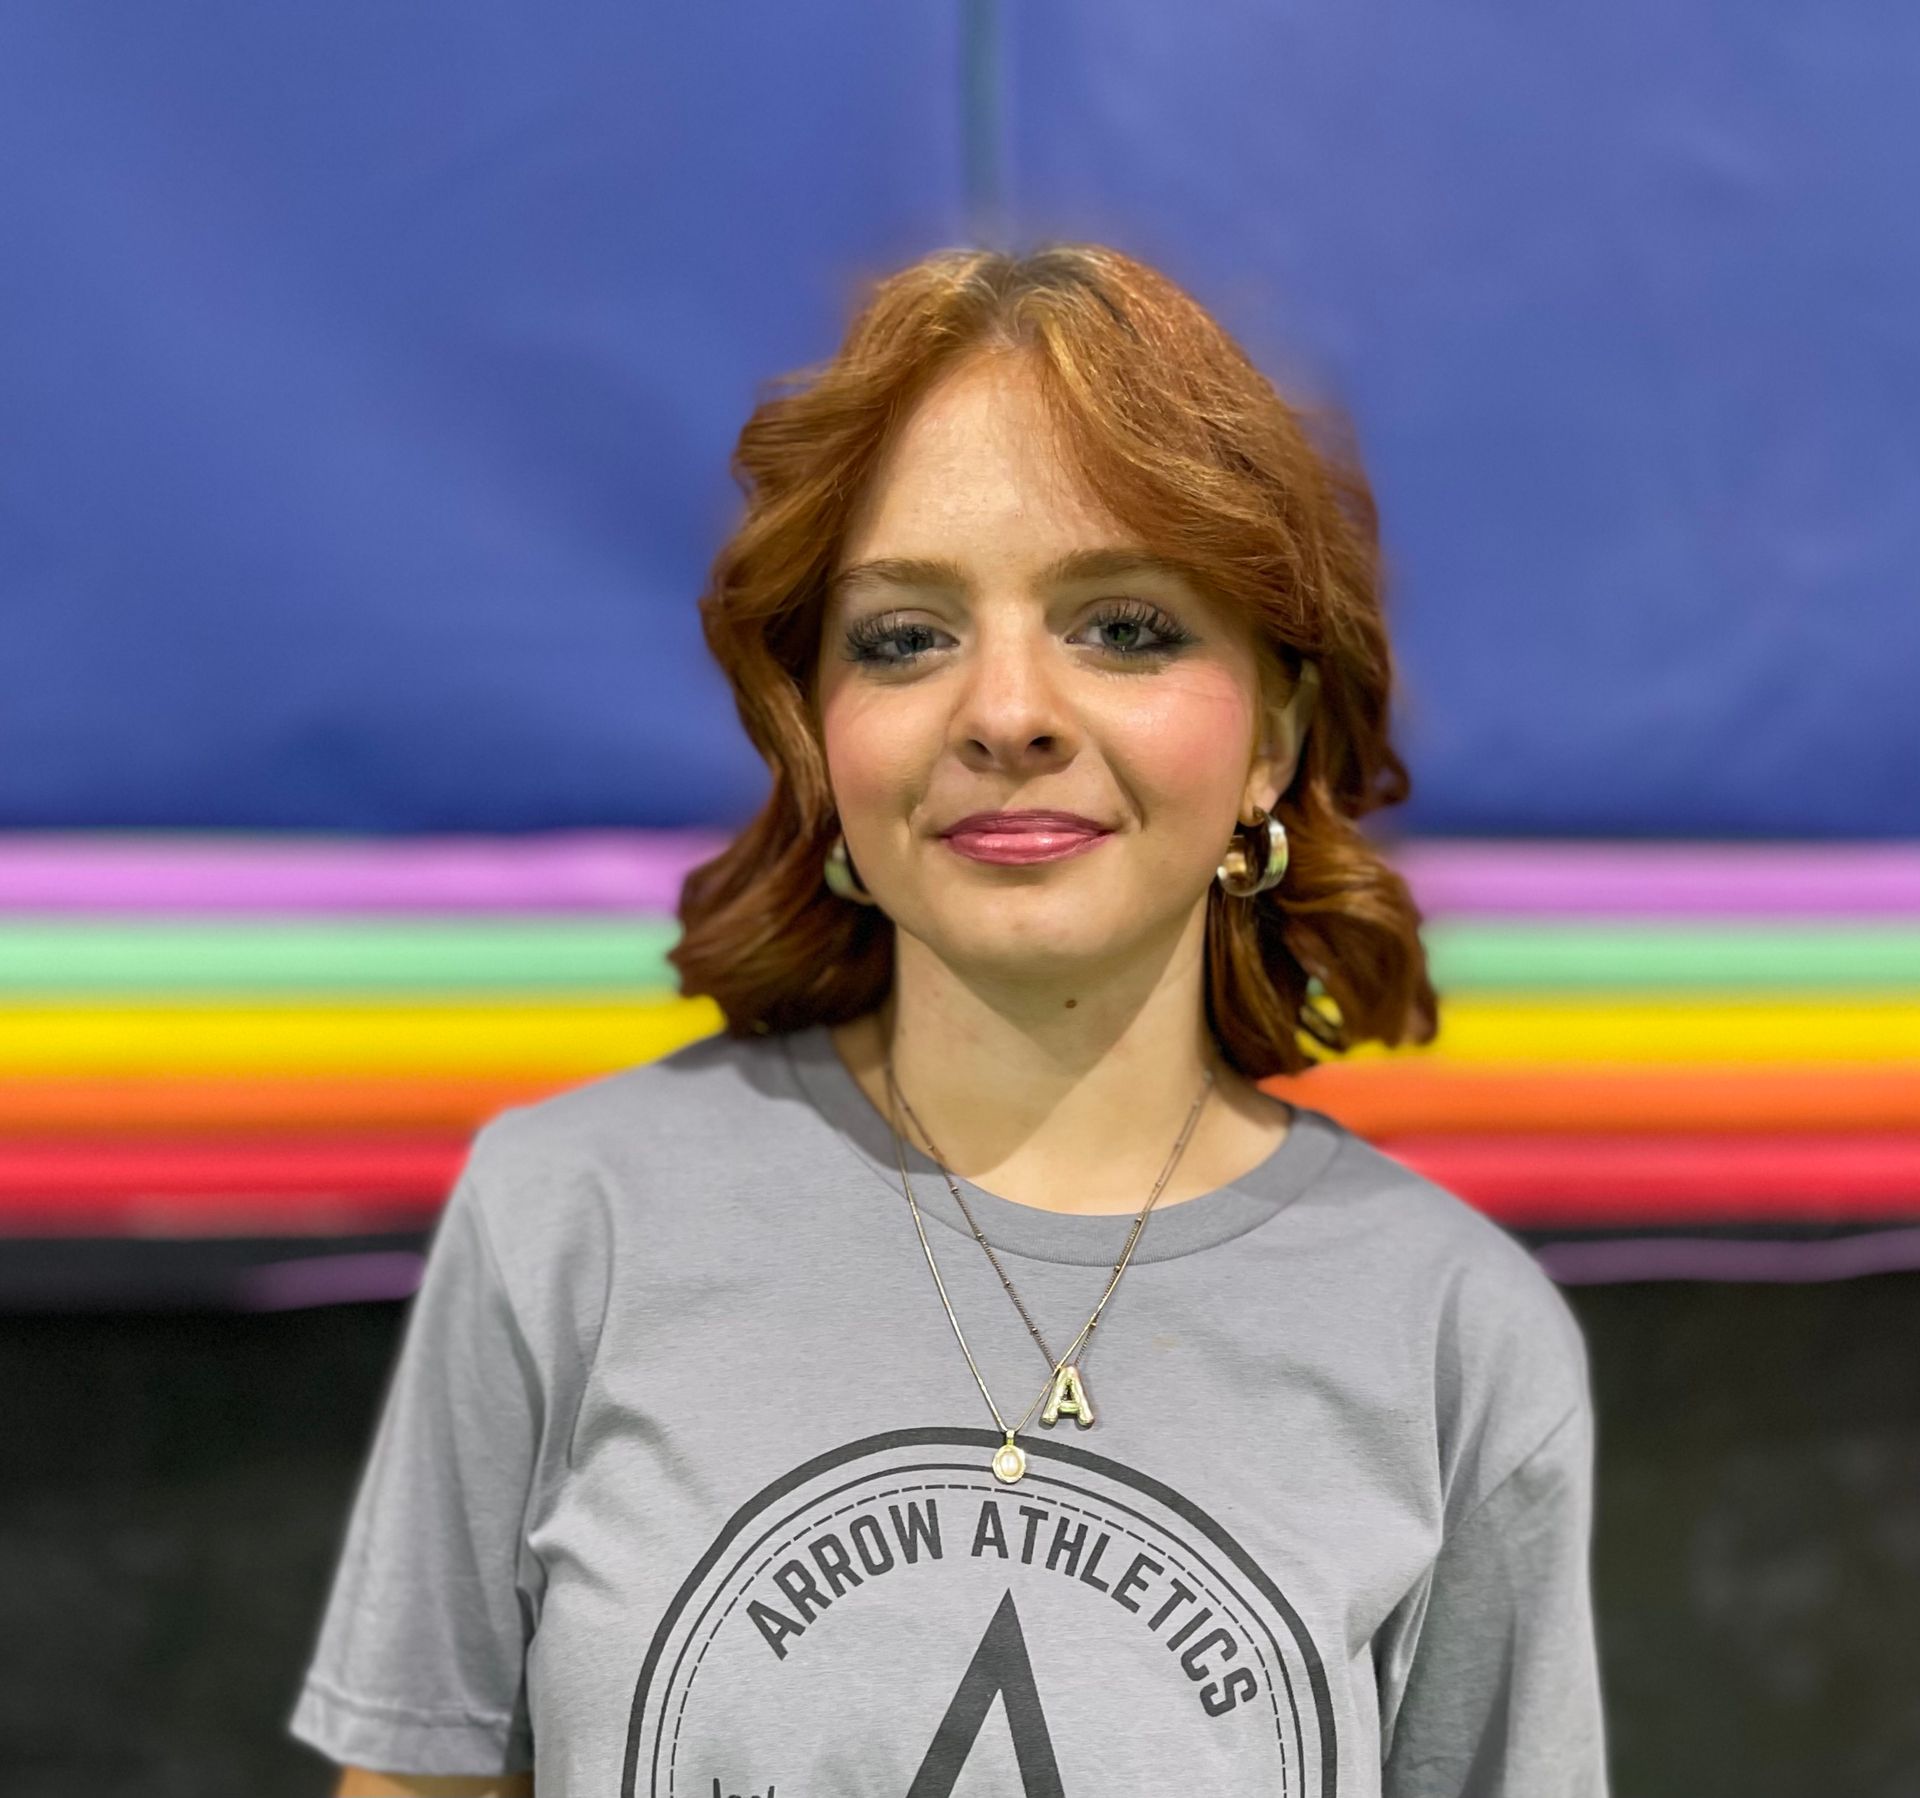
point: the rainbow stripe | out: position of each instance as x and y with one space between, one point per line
205 1035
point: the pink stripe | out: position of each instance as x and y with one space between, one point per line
1635 879
575 871
641 870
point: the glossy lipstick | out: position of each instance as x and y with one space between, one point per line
1017 838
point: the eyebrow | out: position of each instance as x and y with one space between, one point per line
1076 565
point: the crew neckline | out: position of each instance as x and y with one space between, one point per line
1202 1222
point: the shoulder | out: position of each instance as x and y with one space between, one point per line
1466 1299
1445 1238
559 1173
707 1085
604 1180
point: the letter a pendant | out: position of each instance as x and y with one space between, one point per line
1069 1394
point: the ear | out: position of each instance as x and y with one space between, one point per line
1278 757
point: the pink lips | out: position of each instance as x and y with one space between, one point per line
1018 838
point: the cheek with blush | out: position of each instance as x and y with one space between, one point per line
1185 749
871 759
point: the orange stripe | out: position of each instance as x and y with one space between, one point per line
1374 1099
196 1104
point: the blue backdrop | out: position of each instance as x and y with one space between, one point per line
369 374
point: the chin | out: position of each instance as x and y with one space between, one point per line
1030 938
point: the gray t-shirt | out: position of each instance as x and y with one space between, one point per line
681 1484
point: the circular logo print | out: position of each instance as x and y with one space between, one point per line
890 1618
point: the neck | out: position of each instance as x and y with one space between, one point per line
1061 1092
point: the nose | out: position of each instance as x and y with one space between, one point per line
1010 708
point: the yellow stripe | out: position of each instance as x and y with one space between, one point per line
564 1038
557 1038
1533 1032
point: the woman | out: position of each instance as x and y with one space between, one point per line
719 1457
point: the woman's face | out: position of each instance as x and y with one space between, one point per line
1008 681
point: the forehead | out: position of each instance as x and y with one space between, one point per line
973 484
944 574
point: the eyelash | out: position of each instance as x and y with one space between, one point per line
867 636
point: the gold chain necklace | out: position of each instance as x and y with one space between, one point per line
1064 1390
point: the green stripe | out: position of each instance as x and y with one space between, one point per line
258 955
1483 955
627 952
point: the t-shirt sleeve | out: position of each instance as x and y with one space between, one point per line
1501 1694
419 1665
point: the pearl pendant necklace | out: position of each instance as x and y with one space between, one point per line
1065 1393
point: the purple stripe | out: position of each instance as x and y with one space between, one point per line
641 870
1716 1258
576 871
1653 880
330 1280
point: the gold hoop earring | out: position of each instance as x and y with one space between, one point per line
840 876
1268 853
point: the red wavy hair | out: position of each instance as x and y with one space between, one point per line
1183 439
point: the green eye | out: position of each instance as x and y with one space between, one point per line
1133 616
871 639
887 640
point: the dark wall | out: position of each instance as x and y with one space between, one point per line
177 1484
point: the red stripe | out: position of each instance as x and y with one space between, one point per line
317 1184
1602 1181
272 1186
